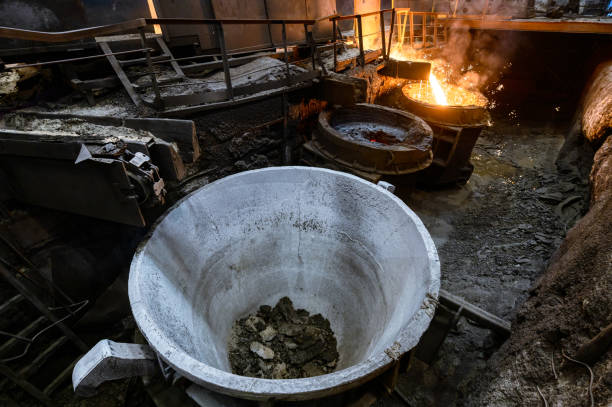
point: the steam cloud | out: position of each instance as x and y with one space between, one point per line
477 60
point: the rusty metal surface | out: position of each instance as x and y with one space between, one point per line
416 70
62 15
90 32
462 116
72 35
456 130
410 150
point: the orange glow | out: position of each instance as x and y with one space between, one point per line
438 93
437 90
156 27
423 91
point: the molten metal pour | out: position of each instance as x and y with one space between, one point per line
437 90
434 91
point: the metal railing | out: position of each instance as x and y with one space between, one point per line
142 23
385 46
429 27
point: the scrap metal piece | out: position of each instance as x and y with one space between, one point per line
146 174
84 154
43 172
109 360
471 311
386 185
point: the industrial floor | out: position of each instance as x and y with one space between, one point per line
494 235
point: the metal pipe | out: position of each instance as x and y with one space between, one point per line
371 13
226 68
143 42
224 21
285 145
334 40
382 34
310 42
60 61
361 52
391 33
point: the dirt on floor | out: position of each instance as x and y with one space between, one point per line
551 354
495 237
282 343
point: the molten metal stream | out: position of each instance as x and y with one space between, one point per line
437 90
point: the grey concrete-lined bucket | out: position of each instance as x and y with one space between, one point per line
334 243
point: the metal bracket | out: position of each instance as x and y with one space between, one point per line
386 185
109 360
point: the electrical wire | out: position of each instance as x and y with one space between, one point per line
80 305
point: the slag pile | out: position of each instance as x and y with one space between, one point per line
282 343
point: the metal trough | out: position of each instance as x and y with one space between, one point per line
332 242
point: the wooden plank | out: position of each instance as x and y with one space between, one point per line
584 27
127 85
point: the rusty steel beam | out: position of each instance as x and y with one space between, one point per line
60 61
73 35
83 33
577 27
225 21
349 17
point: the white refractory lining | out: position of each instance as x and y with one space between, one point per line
334 243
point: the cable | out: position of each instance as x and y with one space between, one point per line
80 305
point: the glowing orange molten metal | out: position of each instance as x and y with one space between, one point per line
438 93
444 94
